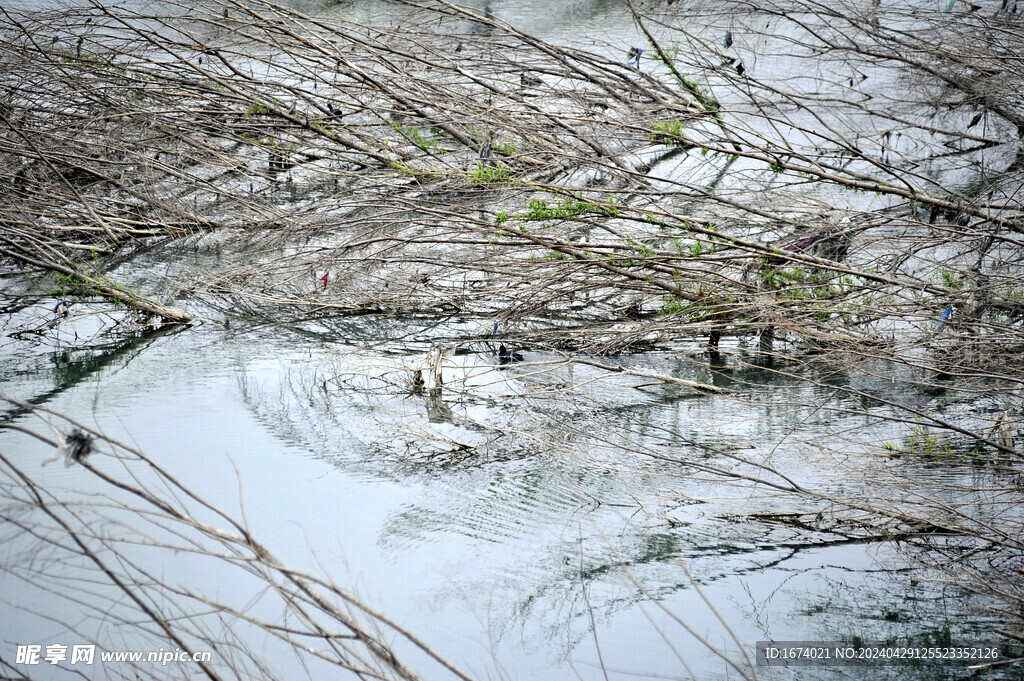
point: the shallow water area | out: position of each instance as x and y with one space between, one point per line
519 549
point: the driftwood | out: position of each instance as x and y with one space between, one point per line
660 378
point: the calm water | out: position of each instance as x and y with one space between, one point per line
519 529
485 555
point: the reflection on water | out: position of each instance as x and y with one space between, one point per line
528 519
524 501
70 367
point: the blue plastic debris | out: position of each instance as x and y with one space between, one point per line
945 316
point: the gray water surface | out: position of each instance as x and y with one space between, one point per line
518 553
534 522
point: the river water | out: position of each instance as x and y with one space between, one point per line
524 554
523 530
